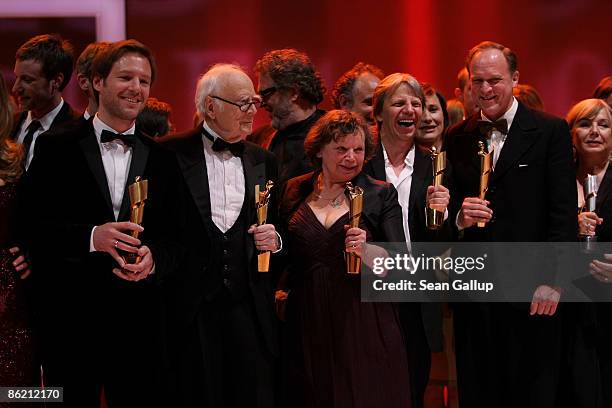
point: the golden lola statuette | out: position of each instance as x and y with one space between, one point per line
138 194
434 218
355 196
486 165
262 199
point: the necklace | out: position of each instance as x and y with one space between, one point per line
335 201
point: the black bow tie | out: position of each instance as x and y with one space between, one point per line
108 136
487 127
220 145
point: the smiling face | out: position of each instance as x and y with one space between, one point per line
32 90
342 160
492 83
226 119
124 91
432 122
400 115
592 136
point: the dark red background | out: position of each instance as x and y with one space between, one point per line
563 46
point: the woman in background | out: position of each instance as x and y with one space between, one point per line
590 122
17 360
434 120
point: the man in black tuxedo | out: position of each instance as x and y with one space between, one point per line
43 66
100 317
223 305
290 88
399 98
509 354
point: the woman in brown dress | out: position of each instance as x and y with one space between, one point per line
339 352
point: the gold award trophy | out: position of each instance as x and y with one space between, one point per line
355 195
138 194
435 218
262 200
590 187
486 164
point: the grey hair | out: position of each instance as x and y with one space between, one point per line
209 82
388 86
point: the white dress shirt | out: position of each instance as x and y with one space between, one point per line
497 140
402 184
116 159
45 124
225 183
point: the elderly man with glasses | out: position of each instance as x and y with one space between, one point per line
222 307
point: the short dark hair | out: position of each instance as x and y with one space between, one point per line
85 60
604 89
55 54
153 119
336 124
509 55
290 68
105 59
429 90
344 85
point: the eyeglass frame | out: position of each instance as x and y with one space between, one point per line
268 92
242 108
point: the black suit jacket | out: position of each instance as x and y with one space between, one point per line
66 195
422 177
66 114
532 189
200 283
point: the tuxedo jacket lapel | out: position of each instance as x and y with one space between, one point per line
193 165
377 165
140 154
522 135
604 188
91 150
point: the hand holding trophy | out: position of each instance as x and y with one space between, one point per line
486 166
355 196
434 218
262 199
138 194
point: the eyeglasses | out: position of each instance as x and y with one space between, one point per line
266 93
244 106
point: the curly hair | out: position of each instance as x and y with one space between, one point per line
344 84
11 153
54 54
334 125
290 68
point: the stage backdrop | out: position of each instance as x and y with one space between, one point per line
563 46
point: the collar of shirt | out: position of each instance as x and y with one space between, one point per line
46 120
86 114
99 126
509 115
208 144
408 160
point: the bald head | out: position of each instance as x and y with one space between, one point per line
222 98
